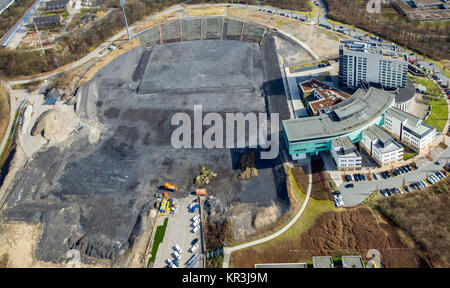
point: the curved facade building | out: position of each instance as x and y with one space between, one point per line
307 136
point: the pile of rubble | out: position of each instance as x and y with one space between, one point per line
204 177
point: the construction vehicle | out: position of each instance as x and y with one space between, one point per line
170 187
166 195
200 192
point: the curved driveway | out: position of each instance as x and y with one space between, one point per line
229 250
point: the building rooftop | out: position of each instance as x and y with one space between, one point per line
328 96
345 117
386 50
401 94
344 147
323 262
374 132
352 262
52 18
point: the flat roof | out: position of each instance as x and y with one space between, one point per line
379 133
323 262
345 117
347 149
388 51
352 262
281 265
328 95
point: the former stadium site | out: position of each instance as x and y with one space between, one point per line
88 174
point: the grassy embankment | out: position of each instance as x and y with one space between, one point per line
159 237
439 113
5 110
432 88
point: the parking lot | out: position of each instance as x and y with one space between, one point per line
179 232
355 195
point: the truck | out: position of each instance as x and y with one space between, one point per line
200 192
171 187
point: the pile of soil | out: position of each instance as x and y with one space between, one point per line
247 166
321 189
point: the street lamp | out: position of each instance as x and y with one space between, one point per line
122 4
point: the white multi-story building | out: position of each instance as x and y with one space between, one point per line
409 129
362 62
381 146
345 154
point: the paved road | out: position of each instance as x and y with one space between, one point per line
229 250
354 196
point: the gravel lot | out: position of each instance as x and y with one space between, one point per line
179 231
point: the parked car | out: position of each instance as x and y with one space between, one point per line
415 165
407 188
388 192
364 177
337 193
398 190
176 255
348 178
349 185
193 242
194 248
177 248
375 176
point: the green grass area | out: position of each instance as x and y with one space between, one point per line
407 156
439 113
432 88
49 14
159 237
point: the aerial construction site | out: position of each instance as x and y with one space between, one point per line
94 190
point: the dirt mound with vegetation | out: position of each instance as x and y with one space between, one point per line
204 177
424 215
350 232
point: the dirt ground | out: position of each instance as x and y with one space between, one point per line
4 111
323 43
156 21
205 11
351 232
